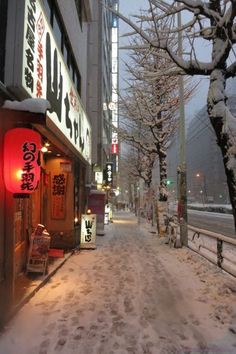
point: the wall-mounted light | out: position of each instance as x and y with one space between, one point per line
44 149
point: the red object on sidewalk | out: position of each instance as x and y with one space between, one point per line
56 253
96 203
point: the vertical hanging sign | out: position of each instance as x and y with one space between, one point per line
21 160
58 191
109 174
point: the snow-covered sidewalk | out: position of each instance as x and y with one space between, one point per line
133 294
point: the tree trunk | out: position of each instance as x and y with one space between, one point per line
163 196
224 124
161 211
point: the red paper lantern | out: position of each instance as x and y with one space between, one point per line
21 160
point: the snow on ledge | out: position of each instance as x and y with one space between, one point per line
34 105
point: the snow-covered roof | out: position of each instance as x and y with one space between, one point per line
34 105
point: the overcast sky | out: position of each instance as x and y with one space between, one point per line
128 8
131 7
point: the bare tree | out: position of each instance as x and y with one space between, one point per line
134 167
149 109
212 22
147 126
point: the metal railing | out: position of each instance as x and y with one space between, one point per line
217 248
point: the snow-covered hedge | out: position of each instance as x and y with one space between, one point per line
216 208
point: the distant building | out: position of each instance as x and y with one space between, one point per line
206 180
102 82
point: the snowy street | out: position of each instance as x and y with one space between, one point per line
133 295
216 222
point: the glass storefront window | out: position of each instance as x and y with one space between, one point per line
62 40
48 10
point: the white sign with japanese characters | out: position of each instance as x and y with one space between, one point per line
88 231
44 74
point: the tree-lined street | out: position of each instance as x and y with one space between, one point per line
133 294
179 32
80 152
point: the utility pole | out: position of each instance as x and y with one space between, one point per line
182 180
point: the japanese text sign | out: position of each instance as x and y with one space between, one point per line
109 173
58 195
21 160
44 74
88 231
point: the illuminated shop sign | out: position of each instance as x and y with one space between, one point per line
114 50
109 173
114 148
88 231
45 75
21 160
99 177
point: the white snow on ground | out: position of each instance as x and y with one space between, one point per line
133 295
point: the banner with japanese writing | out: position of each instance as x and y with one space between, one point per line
38 69
88 231
58 195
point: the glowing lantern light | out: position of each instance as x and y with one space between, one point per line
21 160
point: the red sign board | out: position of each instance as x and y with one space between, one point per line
114 148
58 195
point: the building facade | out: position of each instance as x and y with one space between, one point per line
55 66
103 87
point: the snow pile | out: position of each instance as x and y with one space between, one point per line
218 288
216 208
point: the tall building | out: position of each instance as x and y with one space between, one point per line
56 64
103 85
206 180
115 88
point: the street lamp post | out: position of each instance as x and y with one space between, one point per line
182 182
199 175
